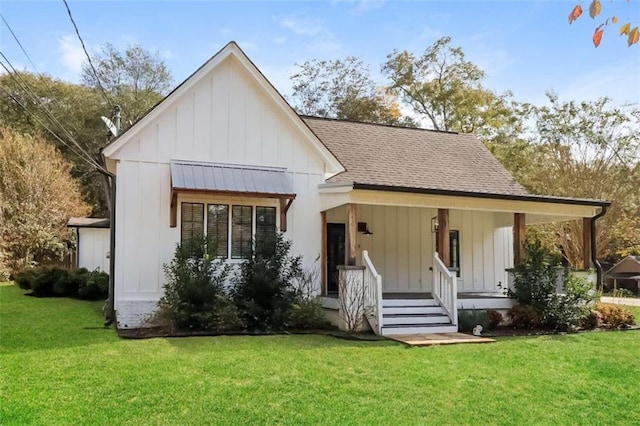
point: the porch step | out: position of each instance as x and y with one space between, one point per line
419 329
411 309
414 316
408 302
411 320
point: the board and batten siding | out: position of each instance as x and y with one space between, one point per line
224 118
402 246
93 248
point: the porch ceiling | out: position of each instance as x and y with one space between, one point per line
537 210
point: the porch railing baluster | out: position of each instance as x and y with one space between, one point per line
373 293
445 288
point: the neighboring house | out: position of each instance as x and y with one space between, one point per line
624 274
226 156
92 243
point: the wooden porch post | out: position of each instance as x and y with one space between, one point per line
323 255
518 238
443 237
352 228
586 243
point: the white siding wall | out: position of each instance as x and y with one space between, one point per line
93 246
402 246
225 118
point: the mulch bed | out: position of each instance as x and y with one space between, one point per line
514 332
153 332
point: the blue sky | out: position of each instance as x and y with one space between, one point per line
523 46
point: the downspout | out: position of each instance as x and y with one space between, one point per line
110 178
594 257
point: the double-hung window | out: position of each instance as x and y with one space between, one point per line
231 228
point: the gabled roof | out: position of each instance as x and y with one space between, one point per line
402 159
630 265
231 49
417 158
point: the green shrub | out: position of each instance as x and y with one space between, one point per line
535 279
195 286
53 281
306 311
263 289
564 311
523 317
612 316
308 315
25 278
535 286
494 319
92 285
469 318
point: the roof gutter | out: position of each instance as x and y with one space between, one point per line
513 197
594 257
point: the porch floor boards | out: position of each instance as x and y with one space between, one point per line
438 339
416 295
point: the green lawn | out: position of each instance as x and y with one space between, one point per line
58 367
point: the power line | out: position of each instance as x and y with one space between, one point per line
19 44
54 134
25 86
95 73
49 86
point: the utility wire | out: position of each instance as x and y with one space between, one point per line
95 73
19 44
25 86
35 68
54 134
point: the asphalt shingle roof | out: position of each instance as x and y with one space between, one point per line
413 158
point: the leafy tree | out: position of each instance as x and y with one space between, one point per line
588 150
37 197
78 108
135 79
595 8
343 89
444 88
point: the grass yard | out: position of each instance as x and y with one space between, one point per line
57 366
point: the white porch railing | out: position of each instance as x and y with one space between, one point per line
372 293
445 288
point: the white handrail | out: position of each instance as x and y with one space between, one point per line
445 288
373 293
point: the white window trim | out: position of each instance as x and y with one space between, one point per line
229 201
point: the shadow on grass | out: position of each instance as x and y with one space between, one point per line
31 324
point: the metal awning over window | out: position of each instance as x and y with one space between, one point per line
230 179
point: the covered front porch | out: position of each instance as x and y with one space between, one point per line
420 257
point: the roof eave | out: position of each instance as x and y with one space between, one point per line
471 194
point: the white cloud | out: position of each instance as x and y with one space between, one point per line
224 32
319 39
248 46
362 6
614 81
72 55
303 26
279 40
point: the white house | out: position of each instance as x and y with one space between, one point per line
226 156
